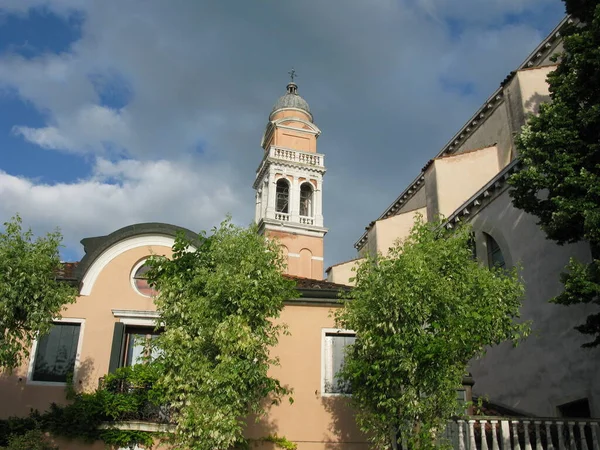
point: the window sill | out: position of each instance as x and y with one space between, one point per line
333 394
46 383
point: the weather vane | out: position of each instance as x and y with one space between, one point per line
293 74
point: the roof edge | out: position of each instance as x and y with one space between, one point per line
480 116
95 246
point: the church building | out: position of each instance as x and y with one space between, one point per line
115 308
549 375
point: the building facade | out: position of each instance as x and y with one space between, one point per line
549 374
115 313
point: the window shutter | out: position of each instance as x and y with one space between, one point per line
117 347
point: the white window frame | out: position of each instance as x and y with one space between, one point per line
31 381
324 333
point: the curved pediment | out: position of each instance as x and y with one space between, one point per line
291 123
101 250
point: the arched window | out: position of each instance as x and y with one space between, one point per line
140 281
495 256
306 200
282 197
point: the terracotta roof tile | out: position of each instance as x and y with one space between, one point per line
309 283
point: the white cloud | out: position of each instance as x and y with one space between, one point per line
201 78
119 194
87 129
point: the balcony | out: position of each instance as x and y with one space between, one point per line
284 217
145 409
311 159
306 220
506 433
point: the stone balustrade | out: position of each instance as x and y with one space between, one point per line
311 159
305 220
282 216
502 433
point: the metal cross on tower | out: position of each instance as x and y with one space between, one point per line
293 74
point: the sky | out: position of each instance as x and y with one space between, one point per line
115 112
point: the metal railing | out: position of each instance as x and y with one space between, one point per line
146 410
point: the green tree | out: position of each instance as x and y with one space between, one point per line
30 294
420 315
560 152
218 305
31 440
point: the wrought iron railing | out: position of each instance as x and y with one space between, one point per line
147 410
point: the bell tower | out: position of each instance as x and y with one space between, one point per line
289 185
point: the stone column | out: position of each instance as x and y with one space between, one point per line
318 203
271 193
295 201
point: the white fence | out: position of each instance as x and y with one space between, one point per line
501 433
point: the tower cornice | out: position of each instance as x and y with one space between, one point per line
287 157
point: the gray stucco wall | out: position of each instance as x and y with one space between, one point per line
492 131
549 368
417 201
547 59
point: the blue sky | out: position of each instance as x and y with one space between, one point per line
113 113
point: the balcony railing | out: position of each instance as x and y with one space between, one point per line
312 159
282 216
502 433
305 220
146 411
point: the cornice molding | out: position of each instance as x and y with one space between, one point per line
291 228
268 160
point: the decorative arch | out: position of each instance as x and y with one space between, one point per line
285 252
305 263
307 191
101 250
282 196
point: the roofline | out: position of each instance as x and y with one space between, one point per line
291 108
358 258
547 45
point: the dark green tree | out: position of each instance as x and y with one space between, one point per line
560 152
30 294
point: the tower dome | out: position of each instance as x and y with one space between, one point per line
292 100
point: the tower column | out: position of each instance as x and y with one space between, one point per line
258 206
271 193
318 205
295 201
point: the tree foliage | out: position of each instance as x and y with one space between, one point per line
30 294
218 303
420 315
130 393
560 151
31 440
